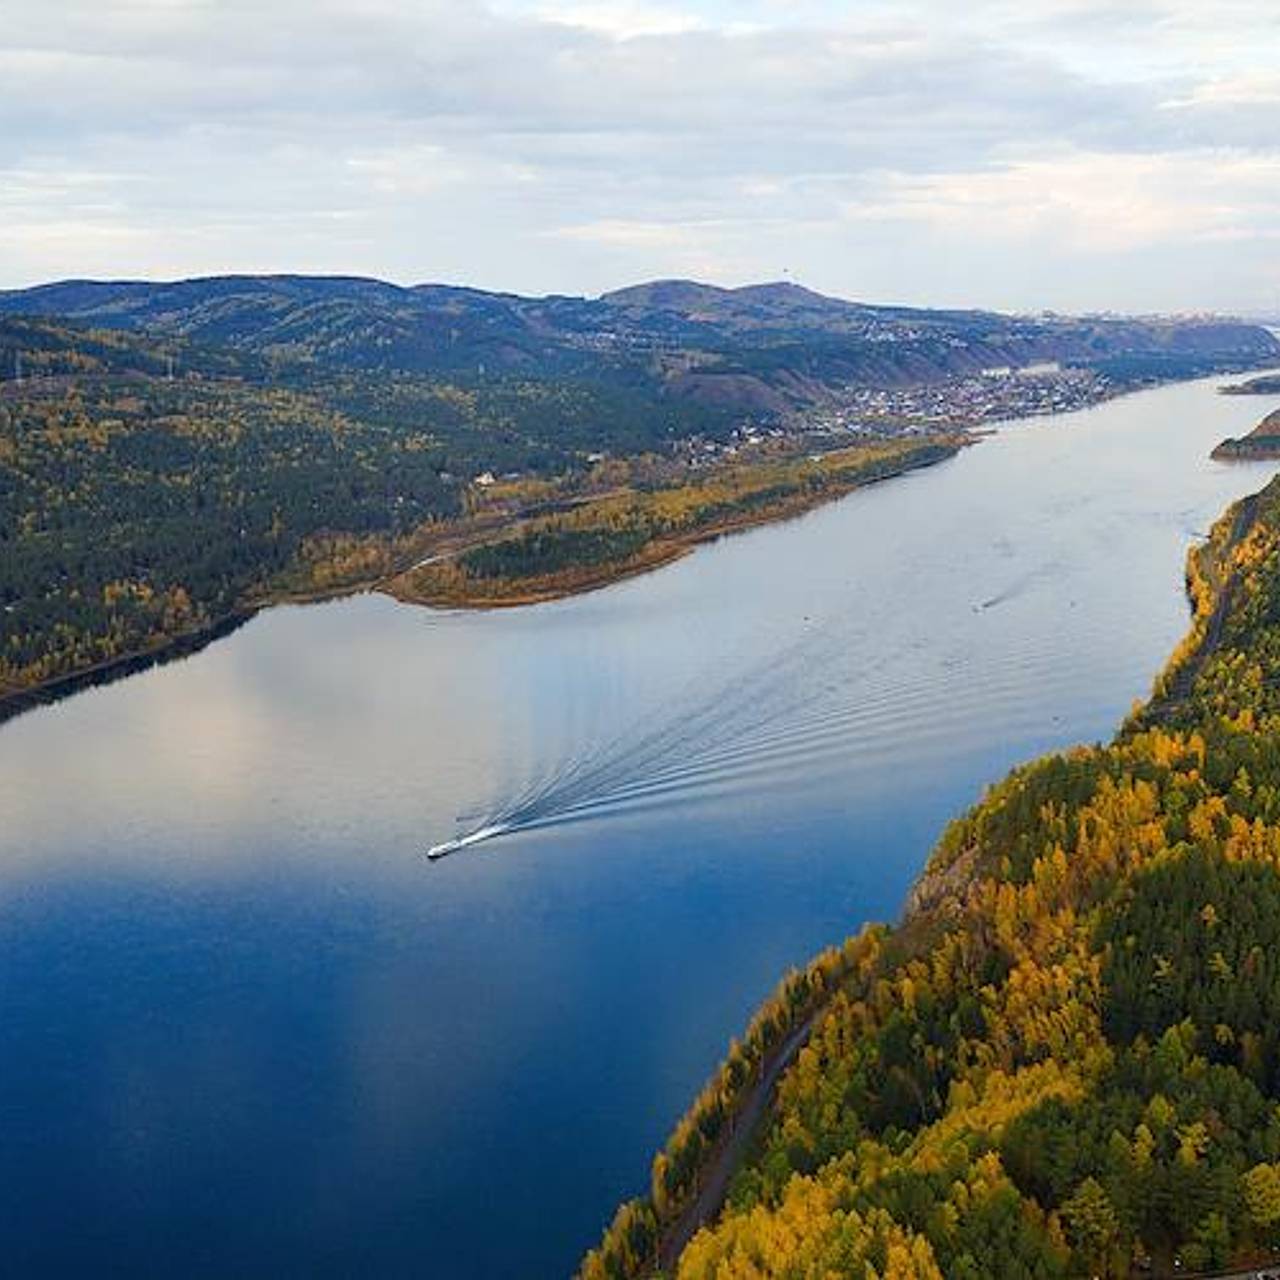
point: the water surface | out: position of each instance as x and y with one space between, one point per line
248 1030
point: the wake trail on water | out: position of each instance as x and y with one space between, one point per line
810 699
680 742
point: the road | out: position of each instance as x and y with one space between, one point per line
711 1195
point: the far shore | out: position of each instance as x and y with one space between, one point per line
448 544
452 543
655 554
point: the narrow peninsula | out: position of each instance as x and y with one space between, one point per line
1261 444
1266 385
634 529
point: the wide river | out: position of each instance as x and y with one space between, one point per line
249 1030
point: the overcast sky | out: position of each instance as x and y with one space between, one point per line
1073 154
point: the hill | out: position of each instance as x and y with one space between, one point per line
173 455
1065 1060
762 349
154 488
37 347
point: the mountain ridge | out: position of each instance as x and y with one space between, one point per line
761 349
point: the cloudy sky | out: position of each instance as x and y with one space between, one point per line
1073 154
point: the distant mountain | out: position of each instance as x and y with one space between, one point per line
780 305
336 320
170 452
762 349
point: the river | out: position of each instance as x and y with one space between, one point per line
250 1030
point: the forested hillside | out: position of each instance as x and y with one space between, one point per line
600 539
1066 1060
173 455
759 349
149 488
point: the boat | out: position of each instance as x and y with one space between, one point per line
446 847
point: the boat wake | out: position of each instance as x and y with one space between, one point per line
752 718
804 706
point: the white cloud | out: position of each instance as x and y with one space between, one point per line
622 19
1253 89
1092 201
619 232
554 144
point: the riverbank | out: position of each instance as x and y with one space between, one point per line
619 536
269 799
435 562
765 491
969 1037
14 701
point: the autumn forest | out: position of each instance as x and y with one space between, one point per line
1065 1061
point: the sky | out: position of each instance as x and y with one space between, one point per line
1020 154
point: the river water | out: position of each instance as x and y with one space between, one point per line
248 1029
